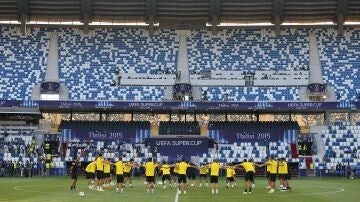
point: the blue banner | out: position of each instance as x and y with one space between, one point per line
179 105
124 136
253 135
178 148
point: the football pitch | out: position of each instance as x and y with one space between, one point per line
58 189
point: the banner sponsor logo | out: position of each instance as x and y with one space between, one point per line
105 135
178 148
181 105
2 103
230 137
178 143
253 136
305 105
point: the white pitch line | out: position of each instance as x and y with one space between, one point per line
177 196
338 189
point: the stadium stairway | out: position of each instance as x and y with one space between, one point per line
308 161
183 60
204 130
294 151
154 130
196 93
168 93
315 66
316 75
52 70
303 94
320 146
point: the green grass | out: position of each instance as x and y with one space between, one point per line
57 189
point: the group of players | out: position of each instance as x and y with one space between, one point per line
177 173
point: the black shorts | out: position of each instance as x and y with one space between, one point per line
181 178
90 176
203 176
272 177
106 175
230 179
214 179
166 177
267 175
74 176
150 179
100 174
192 176
120 178
249 176
127 174
289 176
283 176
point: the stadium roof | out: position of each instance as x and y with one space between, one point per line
182 13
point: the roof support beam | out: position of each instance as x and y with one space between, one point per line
278 15
86 14
23 11
341 13
215 10
150 14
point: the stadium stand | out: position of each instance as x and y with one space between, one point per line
93 91
257 150
17 129
251 93
236 152
87 150
105 51
129 127
248 50
339 57
179 128
87 62
126 50
20 155
342 145
22 61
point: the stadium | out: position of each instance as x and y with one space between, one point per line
179 100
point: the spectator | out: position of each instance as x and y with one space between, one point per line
343 170
338 168
348 170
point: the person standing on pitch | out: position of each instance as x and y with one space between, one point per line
150 167
165 169
230 176
90 174
204 169
273 166
182 183
191 174
175 173
128 168
100 171
74 169
267 173
214 176
107 174
119 167
249 175
284 173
